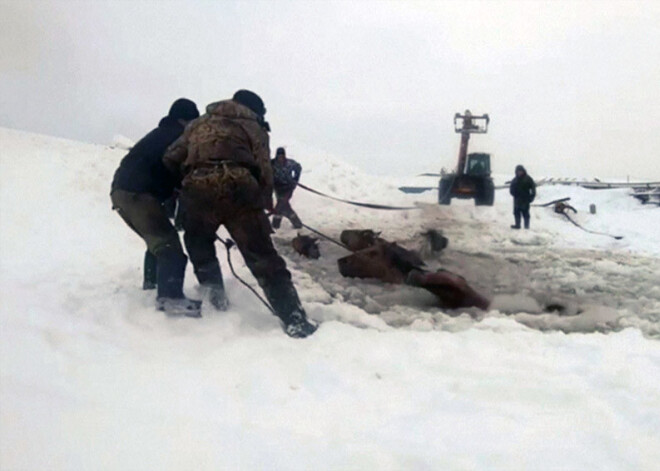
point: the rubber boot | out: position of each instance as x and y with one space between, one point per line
295 220
284 300
209 276
150 271
516 215
171 269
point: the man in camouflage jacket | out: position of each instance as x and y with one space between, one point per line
224 160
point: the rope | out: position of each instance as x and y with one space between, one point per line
587 230
325 237
357 203
315 231
228 245
550 203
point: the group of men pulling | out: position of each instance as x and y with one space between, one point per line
217 169
219 165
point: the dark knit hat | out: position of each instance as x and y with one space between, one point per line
183 109
280 151
251 100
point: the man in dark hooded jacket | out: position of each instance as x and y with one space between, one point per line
523 190
140 187
224 160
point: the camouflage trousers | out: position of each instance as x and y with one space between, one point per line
229 195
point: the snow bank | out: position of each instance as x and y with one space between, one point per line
91 377
122 142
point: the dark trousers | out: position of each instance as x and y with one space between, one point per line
521 211
148 218
283 208
229 196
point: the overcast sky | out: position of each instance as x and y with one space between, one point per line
572 88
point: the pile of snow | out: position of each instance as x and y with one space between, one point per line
122 142
92 377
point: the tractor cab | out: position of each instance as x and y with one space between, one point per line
478 164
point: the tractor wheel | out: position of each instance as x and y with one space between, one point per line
485 194
444 190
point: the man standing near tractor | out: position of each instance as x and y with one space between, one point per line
286 173
523 190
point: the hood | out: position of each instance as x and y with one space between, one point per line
231 109
521 168
169 122
184 109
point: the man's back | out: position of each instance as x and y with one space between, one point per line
142 169
285 174
228 131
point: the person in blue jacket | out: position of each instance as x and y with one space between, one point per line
286 173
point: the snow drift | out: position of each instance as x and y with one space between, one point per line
93 378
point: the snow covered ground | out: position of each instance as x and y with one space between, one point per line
91 377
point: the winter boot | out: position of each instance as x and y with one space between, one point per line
171 264
209 276
150 271
295 220
284 300
179 306
276 222
516 216
171 267
217 296
297 326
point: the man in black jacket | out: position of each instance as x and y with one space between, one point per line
141 184
523 190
